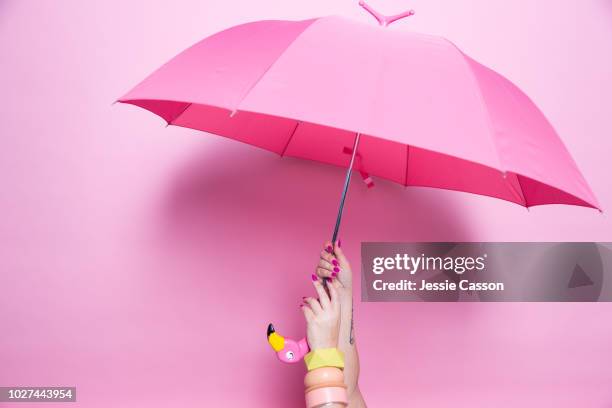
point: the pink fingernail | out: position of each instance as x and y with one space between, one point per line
334 274
329 249
314 277
336 269
334 262
339 243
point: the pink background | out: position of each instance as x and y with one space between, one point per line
133 268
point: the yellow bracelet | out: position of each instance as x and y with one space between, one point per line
330 357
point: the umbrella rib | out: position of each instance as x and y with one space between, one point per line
269 67
297 123
518 193
518 180
407 161
481 99
180 114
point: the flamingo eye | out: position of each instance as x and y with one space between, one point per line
290 355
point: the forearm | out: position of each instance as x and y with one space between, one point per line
356 400
347 344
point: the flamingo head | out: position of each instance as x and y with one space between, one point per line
287 350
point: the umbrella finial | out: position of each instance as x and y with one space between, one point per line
382 19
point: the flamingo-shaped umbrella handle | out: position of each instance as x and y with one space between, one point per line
382 19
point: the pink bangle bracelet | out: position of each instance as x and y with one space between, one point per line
327 395
323 385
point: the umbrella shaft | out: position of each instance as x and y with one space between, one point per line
347 181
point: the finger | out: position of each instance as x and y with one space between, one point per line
323 297
333 295
332 265
330 258
339 253
325 264
324 273
308 314
336 283
313 304
319 276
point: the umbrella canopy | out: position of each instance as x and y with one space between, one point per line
427 114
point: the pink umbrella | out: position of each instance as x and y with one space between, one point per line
407 107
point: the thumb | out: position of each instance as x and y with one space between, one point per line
339 253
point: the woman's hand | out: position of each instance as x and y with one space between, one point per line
334 265
322 317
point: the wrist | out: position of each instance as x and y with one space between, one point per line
324 344
346 299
